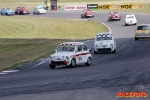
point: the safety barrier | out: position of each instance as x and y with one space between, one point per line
104 7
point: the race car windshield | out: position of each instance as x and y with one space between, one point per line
130 17
88 10
8 9
114 13
65 48
101 38
143 27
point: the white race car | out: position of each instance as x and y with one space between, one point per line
39 10
70 53
130 20
104 42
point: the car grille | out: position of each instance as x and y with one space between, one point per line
104 50
58 63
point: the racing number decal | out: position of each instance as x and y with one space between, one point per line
79 57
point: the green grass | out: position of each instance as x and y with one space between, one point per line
24 39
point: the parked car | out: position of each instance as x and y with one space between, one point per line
87 13
7 11
142 32
130 20
39 10
22 10
104 43
113 15
70 54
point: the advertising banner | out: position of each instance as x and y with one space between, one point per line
75 7
121 6
92 6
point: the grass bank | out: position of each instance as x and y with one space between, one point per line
25 39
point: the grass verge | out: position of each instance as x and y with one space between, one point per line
24 39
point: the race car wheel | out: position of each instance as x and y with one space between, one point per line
73 63
114 51
136 38
135 24
88 61
110 19
52 66
126 24
1 14
95 52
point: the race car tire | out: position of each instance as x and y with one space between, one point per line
126 24
114 51
73 63
95 52
1 14
136 38
110 19
93 16
88 61
135 24
52 66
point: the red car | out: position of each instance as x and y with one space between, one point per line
87 13
21 10
113 15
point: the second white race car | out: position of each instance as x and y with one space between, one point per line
130 20
104 42
39 10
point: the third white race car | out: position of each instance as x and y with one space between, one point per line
130 20
39 10
104 42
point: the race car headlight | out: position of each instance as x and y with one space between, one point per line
51 57
96 46
67 57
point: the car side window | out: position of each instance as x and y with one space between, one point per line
85 48
79 48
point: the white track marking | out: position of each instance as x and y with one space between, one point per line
10 71
1 73
38 64
106 26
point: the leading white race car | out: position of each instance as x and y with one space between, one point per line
104 42
70 53
130 20
39 10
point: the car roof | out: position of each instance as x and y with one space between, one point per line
130 15
104 33
72 43
144 24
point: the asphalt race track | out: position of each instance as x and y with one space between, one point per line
126 71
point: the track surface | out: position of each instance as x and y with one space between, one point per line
127 70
